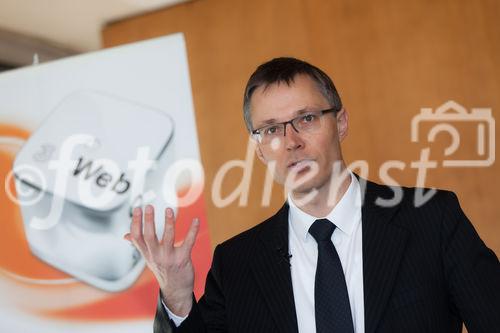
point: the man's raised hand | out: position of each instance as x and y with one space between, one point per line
171 265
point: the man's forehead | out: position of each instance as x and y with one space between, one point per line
283 93
280 100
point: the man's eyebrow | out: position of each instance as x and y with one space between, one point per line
302 111
269 121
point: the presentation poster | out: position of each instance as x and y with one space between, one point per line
83 140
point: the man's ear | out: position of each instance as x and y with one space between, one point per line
342 124
260 155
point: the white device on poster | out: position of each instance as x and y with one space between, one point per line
85 239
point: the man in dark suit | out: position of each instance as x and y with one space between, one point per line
342 255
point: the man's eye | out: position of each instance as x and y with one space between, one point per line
308 118
272 130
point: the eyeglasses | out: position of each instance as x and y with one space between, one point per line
308 122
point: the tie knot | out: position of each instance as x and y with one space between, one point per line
322 230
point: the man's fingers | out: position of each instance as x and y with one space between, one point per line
149 229
136 231
191 236
169 229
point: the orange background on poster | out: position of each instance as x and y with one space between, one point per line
37 288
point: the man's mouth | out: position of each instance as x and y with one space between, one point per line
299 166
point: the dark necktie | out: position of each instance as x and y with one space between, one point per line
331 301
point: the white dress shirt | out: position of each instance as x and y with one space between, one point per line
347 239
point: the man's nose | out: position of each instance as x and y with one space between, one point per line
292 138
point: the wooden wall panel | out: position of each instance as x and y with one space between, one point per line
388 59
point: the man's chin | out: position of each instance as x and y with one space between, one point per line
303 195
302 189
303 180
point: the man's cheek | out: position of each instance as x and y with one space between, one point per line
280 175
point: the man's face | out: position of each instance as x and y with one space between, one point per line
295 152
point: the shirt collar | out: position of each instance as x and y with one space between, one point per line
345 215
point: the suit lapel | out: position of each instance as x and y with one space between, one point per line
272 271
383 246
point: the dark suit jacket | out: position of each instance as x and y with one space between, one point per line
425 270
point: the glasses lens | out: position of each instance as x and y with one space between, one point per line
308 122
271 132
